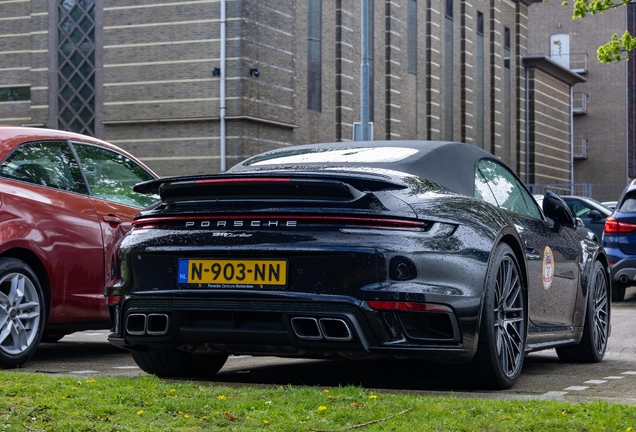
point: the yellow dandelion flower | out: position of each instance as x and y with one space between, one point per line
186 416
180 412
140 412
265 422
322 408
221 397
91 381
373 397
326 391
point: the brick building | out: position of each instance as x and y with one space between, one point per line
604 146
145 75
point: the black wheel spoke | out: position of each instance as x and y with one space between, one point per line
601 313
509 313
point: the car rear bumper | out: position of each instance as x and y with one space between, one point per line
307 326
624 271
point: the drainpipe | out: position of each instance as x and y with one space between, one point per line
222 90
528 126
364 74
572 140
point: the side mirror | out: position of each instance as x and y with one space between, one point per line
579 223
595 215
556 209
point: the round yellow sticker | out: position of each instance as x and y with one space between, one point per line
548 268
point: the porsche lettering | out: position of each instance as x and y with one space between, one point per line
240 224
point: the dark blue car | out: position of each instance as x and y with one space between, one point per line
619 242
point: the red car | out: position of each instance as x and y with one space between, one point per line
65 201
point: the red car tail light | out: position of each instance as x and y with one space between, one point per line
113 300
409 306
612 225
254 221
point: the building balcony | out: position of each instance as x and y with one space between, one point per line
580 148
575 62
579 103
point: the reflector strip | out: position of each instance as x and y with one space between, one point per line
317 219
409 306
245 180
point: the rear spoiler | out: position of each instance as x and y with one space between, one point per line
274 186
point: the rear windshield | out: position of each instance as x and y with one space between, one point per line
334 155
629 204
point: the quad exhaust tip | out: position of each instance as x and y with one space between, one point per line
154 324
317 329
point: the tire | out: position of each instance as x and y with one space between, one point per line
503 328
170 362
591 348
22 312
618 292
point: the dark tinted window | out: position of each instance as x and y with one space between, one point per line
111 176
49 164
15 94
579 209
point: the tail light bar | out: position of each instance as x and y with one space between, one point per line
228 221
613 226
408 306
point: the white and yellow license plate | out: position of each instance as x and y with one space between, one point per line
239 273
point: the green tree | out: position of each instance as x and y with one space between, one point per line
618 48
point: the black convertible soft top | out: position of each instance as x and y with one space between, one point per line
449 164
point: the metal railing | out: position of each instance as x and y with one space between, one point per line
579 103
576 62
580 148
581 189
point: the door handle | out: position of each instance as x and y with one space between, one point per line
112 219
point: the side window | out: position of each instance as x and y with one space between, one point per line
507 189
49 164
578 208
111 176
482 190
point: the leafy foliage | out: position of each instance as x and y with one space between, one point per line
618 48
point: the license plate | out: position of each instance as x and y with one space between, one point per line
233 273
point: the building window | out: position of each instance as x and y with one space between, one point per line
76 66
449 52
479 83
449 9
314 55
507 94
480 23
11 94
411 40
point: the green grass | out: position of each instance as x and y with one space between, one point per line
37 402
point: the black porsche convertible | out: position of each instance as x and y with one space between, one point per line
430 250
